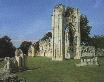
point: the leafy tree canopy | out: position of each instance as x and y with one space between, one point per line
46 36
85 29
6 47
25 46
36 46
98 41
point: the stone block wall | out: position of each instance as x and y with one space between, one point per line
88 56
21 59
99 52
87 51
31 51
45 48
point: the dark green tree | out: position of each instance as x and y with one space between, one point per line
46 36
25 46
36 46
85 29
98 41
6 47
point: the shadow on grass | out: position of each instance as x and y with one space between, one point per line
30 69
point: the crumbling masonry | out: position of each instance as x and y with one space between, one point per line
65 40
65 32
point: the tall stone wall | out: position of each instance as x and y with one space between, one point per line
45 48
58 49
31 51
65 24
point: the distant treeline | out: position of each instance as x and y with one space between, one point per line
98 41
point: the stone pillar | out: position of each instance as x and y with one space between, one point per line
22 61
53 54
67 53
77 37
25 61
7 67
58 42
19 57
31 51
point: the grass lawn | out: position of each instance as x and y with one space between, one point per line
46 70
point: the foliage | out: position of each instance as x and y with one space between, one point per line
85 30
25 46
46 36
45 70
6 47
68 12
36 46
98 41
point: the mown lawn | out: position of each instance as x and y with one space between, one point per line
46 70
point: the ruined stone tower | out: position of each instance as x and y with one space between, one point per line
65 32
58 33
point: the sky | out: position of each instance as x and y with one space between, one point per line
31 19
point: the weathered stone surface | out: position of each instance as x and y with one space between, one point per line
31 51
87 51
65 41
10 77
6 73
45 48
10 64
62 31
88 56
99 52
20 58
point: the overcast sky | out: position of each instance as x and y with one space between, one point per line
31 19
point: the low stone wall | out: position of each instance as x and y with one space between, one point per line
10 77
87 51
88 56
99 52
7 72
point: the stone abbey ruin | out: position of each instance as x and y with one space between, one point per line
65 24
64 43
65 39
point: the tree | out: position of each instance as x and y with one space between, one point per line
36 46
85 30
46 36
98 41
25 46
6 47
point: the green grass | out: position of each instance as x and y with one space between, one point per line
46 70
